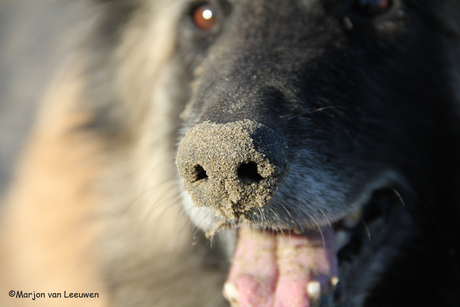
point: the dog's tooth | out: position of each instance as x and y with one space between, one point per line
342 238
314 292
353 219
331 287
231 294
334 281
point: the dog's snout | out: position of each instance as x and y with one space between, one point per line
232 167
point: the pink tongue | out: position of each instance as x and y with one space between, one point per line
276 270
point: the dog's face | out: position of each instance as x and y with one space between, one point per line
343 84
303 116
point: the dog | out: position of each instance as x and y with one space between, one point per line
292 153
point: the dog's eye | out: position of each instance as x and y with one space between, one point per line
372 7
205 16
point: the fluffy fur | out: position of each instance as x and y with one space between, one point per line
364 103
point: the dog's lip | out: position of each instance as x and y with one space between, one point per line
210 222
344 224
348 218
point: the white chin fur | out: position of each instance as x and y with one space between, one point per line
202 217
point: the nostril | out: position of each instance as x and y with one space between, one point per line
199 173
249 171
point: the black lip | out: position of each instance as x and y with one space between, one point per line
379 209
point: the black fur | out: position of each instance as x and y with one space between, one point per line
360 100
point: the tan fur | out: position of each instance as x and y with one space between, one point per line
48 228
148 248
93 214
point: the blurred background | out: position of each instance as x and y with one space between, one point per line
34 35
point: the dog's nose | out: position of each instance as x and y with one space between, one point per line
232 167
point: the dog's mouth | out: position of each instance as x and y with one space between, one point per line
290 267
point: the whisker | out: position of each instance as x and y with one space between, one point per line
329 107
320 109
287 211
399 197
367 230
194 235
181 229
321 232
325 216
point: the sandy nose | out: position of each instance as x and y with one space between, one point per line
232 167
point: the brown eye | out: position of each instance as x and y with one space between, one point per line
373 7
205 16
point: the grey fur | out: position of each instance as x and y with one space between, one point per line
351 128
